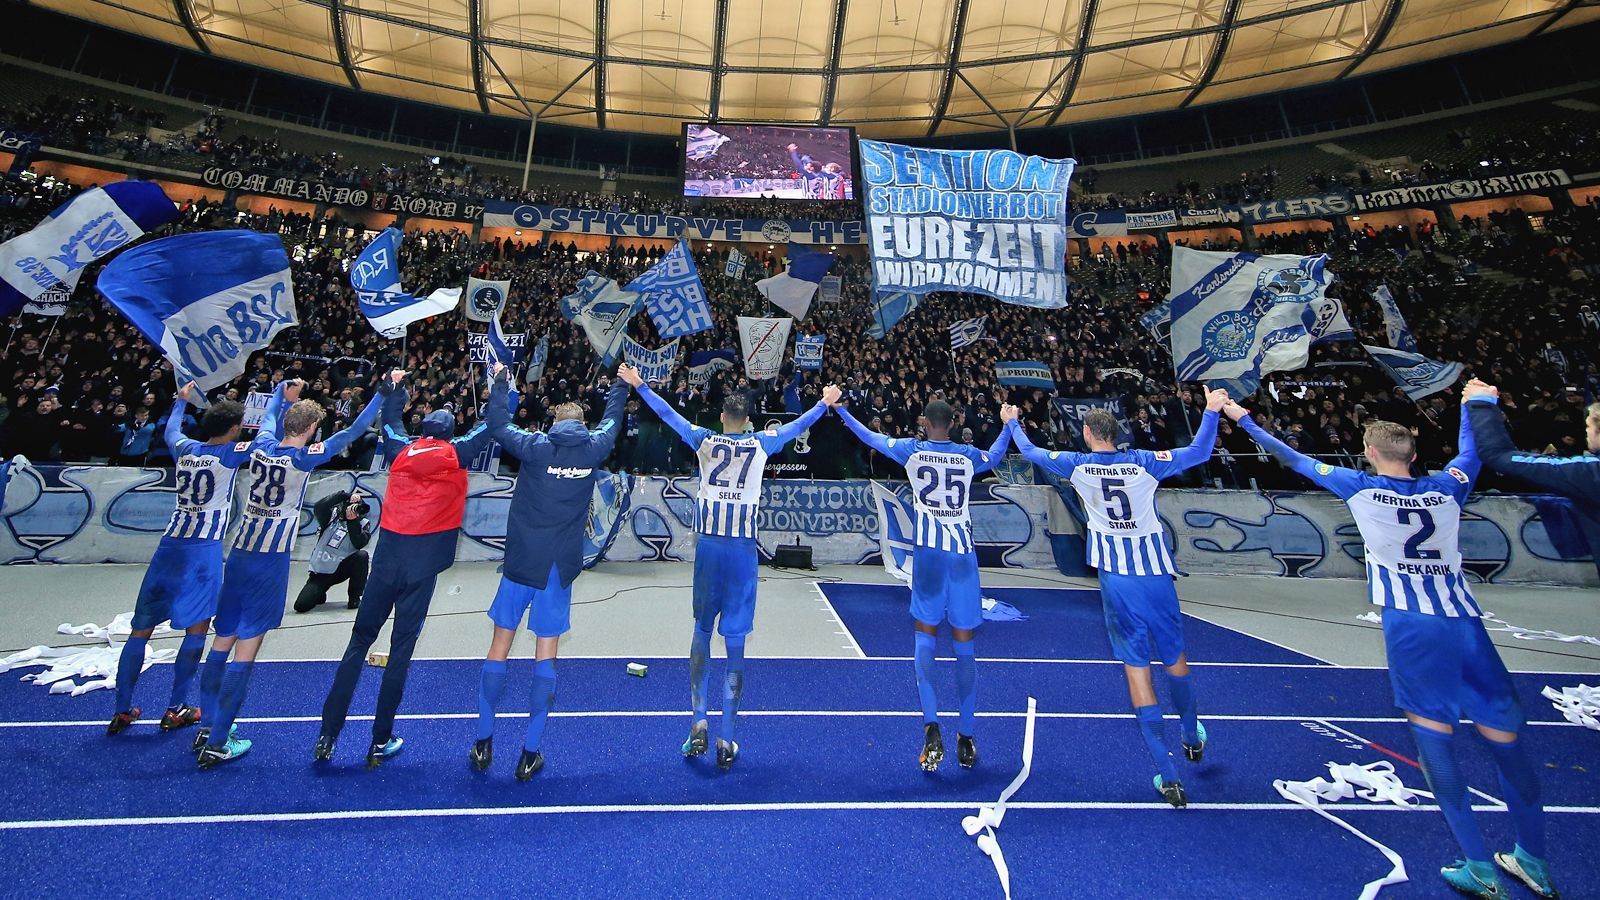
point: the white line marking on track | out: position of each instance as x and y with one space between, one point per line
771 713
821 806
834 613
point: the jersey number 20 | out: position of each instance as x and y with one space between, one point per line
195 488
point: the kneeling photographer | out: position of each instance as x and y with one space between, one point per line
338 556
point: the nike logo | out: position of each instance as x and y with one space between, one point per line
416 451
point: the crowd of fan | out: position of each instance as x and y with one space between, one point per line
86 387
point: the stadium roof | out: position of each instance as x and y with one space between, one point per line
890 67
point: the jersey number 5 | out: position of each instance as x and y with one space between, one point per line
1425 529
1120 510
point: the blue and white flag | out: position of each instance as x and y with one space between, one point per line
888 309
1025 373
1158 321
831 289
1329 322
701 142
705 363
541 356
504 348
376 278
655 366
967 332
793 289
208 299
1417 375
603 310
75 234
485 299
674 295
1239 316
896 531
1393 322
808 351
736 264
979 221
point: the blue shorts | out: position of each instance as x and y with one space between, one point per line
725 584
552 606
1142 617
180 586
254 589
1445 668
944 585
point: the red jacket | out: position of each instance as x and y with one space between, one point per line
427 489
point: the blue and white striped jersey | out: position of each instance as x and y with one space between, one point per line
941 474
1118 490
270 521
205 474
731 465
1410 526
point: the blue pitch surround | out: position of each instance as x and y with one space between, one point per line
818 805
1062 624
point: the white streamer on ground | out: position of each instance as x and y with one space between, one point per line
1580 705
1375 782
79 670
982 826
1495 623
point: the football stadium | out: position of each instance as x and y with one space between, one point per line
833 448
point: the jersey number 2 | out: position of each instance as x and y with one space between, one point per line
1425 529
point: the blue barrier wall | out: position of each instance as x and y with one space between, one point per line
93 514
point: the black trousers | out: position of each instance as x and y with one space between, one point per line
409 601
352 568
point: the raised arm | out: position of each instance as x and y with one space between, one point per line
603 437
517 441
678 423
869 437
772 443
336 444
991 458
1467 459
272 419
174 431
1572 476
395 397
1196 454
1058 464
1336 479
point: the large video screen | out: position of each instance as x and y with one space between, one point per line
768 161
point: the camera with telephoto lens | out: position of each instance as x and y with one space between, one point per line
360 507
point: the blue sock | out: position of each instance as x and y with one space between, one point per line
490 685
128 668
211 684
699 671
544 700
924 666
183 668
234 686
1183 702
1154 728
967 684
1436 751
1519 787
732 686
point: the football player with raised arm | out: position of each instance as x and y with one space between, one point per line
544 552
255 579
1442 665
726 554
944 563
1137 587
185 575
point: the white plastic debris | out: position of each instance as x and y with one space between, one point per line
982 826
1374 617
1375 782
1495 623
79 670
1579 705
